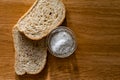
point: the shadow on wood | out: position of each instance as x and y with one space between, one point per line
63 68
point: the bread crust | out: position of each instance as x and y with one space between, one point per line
46 32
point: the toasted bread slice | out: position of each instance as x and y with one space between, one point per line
41 18
30 56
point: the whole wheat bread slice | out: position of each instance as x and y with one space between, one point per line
41 18
30 56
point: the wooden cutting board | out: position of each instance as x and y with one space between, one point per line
96 24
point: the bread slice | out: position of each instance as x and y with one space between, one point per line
30 56
42 18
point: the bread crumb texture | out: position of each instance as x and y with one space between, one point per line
44 16
30 56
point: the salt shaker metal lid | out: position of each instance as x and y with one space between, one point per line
61 42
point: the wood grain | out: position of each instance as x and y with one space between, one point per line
96 25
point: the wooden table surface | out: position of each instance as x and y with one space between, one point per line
96 24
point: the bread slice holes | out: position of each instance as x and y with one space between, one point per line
56 15
45 20
50 13
41 15
36 24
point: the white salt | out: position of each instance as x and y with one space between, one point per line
62 42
